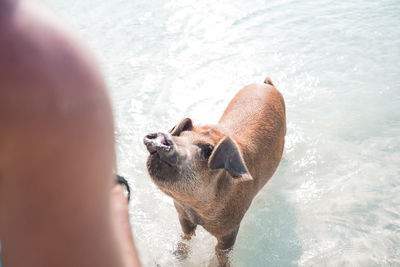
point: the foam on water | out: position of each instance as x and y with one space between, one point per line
335 198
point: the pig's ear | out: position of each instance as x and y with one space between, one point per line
226 155
185 125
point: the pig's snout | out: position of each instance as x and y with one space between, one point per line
158 142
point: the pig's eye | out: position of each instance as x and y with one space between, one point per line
206 149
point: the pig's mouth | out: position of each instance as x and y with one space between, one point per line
155 156
164 162
158 142
161 148
161 169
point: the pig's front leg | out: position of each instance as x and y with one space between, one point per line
188 228
183 249
224 246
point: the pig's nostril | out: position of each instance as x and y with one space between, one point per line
168 142
162 139
158 142
151 136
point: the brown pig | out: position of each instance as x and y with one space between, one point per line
213 172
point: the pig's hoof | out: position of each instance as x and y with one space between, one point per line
182 251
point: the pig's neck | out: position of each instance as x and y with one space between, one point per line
213 197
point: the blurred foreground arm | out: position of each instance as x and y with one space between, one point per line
58 206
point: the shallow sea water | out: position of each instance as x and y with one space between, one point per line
335 198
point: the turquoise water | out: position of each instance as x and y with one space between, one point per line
335 199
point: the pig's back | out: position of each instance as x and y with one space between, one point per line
256 119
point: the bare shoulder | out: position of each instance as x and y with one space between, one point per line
56 144
47 77
40 56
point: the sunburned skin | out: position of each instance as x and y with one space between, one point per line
213 172
59 205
